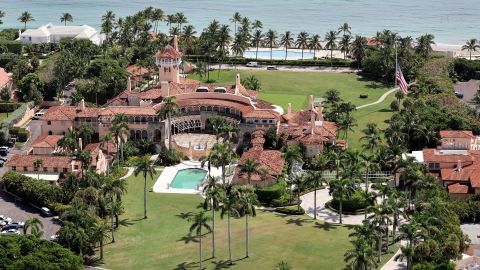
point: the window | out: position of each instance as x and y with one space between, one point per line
65 170
75 167
49 123
50 133
55 169
25 169
270 121
14 168
35 169
45 169
264 121
434 166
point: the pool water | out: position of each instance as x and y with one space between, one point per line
279 54
188 178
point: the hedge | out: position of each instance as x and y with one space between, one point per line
290 210
20 133
467 69
13 118
40 193
278 62
267 194
356 204
9 106
13 46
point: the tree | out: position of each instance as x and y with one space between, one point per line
147 167
229 208
247 201
31 87
271 41
214 194
108 20
119 130
169 108
331 42
85 132
26 17
236 18
372 137
424 45
249 167
345 45
287 40
157 16
5 93
2 14
358 48
35 225
180 19
216 123
66 17
199 222
291 154
361 257
188 37
111 188
223 154
340 189
471 45
252 83
100 232
299 181
85 159
37 163
380 219
406 252
257 39
315 44
345 28
302 41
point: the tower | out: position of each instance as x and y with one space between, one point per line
168 62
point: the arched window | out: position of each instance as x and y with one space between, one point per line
132 134
138 134
144 134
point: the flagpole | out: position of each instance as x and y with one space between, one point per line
396 62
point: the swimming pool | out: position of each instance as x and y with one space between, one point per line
188 178
279 54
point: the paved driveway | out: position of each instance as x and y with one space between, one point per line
20 211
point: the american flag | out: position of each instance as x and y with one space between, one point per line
402 83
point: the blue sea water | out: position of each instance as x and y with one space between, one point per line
451 21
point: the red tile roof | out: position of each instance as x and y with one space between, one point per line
4 78
432 155
168 53
129 110
48 161
61 112
456 134
135 70
457 188
47 141
271 160
268 114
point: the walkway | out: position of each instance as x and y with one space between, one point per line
395 265
129 173
380 100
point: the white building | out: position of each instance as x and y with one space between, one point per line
54 33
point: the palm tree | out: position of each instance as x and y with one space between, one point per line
271 40
171 19
361 257
100 233
213 196
85 132
256 25
108 20
345 45
407 253
147 167
315 44
37 163
66 17
223 154
113 187
169 108
472 45
396 203
2 14
283 266
331 42
341 189
372 138
247 201
180 19
216 123
368 162
291 154
302 41
229 132
424 44
35 225
188 36
85 158
26 17
236 18
199 222
249 167
345 28
287 40
298 181
315 178
359 47
157 16
380 218
256 40
229 208
119 129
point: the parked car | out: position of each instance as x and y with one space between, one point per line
46 211
54 237
37 115
252 64
20 224
11 231
2 163
4 220
9 144
10 227
458 94
272 68
4 159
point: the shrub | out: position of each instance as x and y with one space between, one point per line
363 95
467 69
290 210
20 133
13 118
9 106
267 194
169 157
39 193
13 46
355 204
394 105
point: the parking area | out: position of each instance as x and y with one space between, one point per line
20 211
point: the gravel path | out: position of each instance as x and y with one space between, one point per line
380 100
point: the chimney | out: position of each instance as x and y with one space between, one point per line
459 165
311 102
289 110
320 113
312 122
81 105
175 42
129 84
80 144
237 83
164 89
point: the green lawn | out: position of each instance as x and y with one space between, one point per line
282 87
3 116
162 242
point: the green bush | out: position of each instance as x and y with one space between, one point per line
467 69
9 106
363 95
20 133
39 193
13 118
13 46
355 204
267 194
290 210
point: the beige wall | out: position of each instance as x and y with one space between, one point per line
456 143
56 127
42 150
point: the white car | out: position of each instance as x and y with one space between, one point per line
4 220
54 237
252 64
18 223
11 231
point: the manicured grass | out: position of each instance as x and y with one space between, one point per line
3 116
162 242
282 87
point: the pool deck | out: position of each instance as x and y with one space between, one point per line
166 177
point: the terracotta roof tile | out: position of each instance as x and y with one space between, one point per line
48 161
47 141
168 53
4 78
456 134
457 188
432 155
271 160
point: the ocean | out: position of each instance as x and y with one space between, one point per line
451 21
